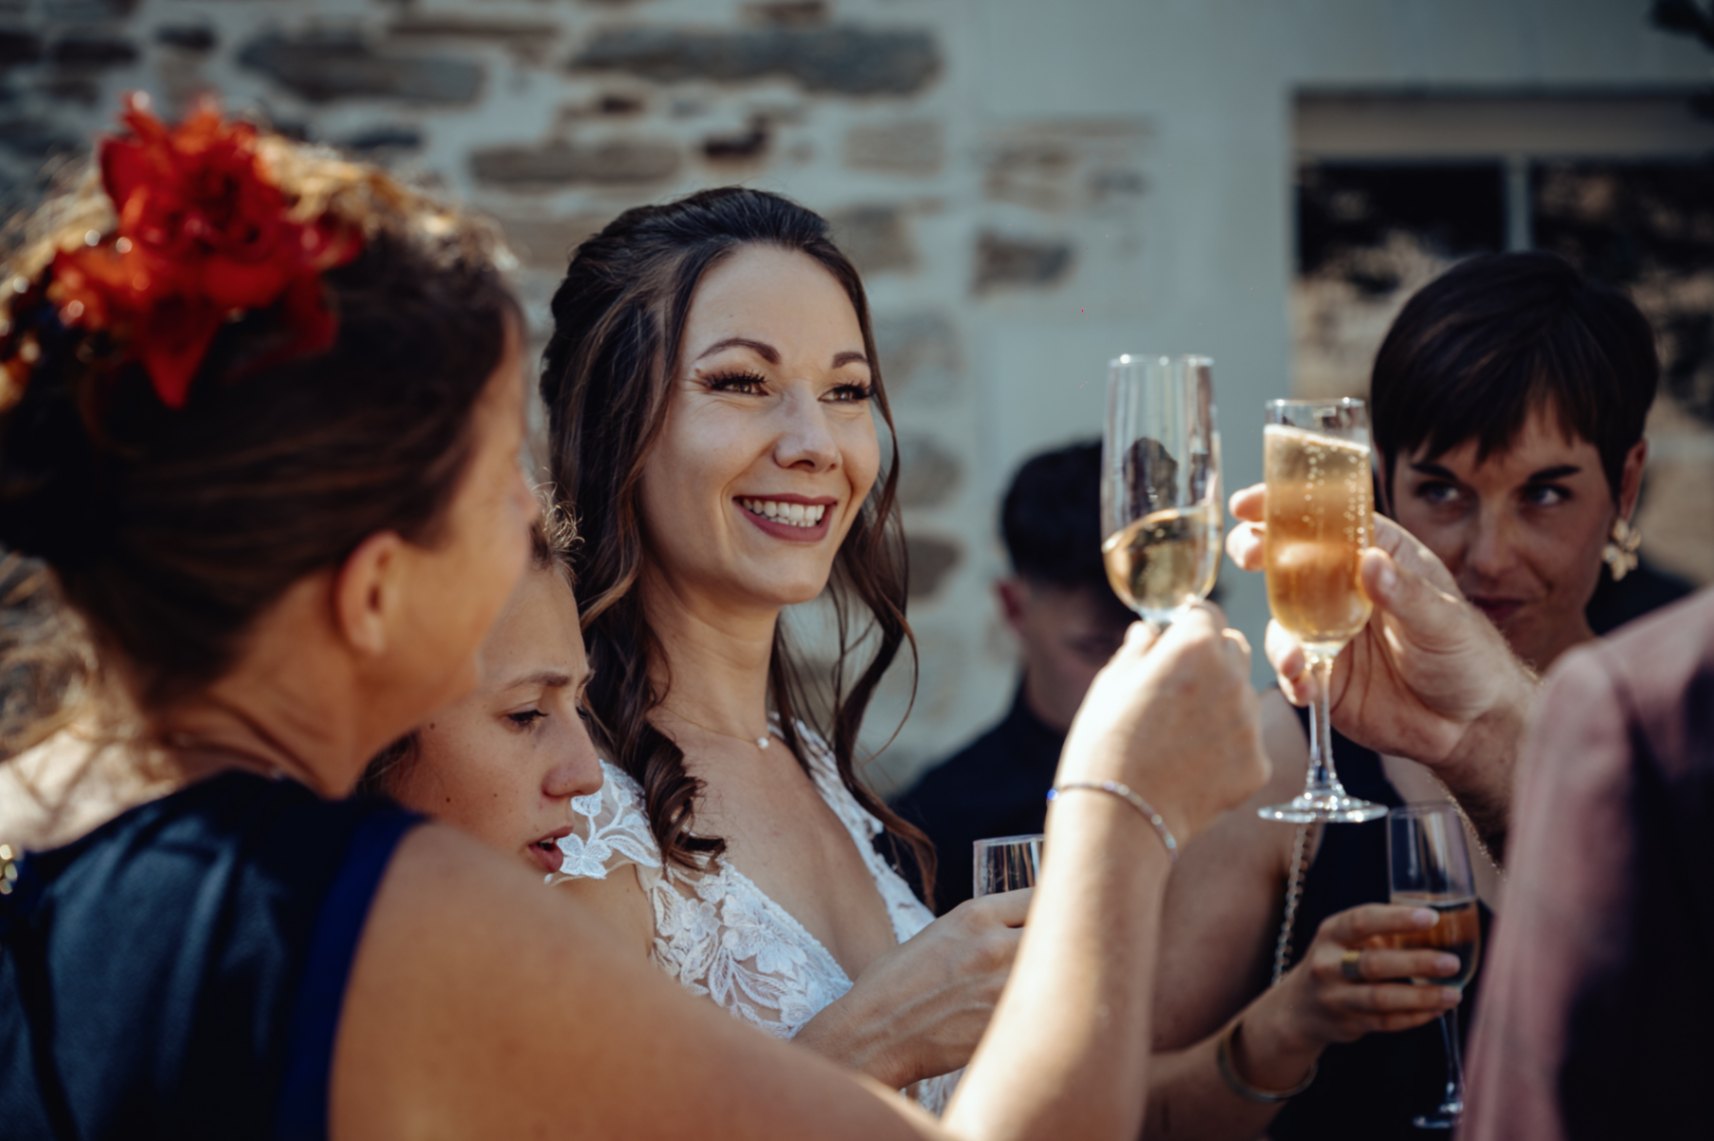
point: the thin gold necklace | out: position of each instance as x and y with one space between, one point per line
761 742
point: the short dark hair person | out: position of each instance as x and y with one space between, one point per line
1475 350
1050 519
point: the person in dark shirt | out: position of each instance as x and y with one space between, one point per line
1646 588
1067 623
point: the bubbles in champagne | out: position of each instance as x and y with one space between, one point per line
1319 519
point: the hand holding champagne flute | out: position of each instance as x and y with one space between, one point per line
1160 483
1428 863
1320 517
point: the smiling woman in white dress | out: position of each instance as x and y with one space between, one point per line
713 397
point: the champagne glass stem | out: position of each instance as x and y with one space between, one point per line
1323 797
1452 1104
1321 778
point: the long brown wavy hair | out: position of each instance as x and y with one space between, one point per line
619 318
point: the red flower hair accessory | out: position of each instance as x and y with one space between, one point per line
204 234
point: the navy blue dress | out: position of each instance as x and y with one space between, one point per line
1367 1090
178 972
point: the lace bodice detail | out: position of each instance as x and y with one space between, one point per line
719 934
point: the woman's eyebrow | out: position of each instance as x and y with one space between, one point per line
547 679
761 348
772 355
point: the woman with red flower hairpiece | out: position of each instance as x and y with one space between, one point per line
203 232
301 545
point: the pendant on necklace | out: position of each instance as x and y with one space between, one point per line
763 742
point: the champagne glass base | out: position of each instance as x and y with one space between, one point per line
1328 808
1446 1117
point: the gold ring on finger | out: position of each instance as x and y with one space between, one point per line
1350 965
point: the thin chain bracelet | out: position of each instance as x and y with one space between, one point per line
1129 795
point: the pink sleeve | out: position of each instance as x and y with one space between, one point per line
1567 862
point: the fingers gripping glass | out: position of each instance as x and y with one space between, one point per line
1428 863
1320 515
1160 483
1007 863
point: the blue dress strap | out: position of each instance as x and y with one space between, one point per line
303 1106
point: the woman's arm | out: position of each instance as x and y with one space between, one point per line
919 1009
1273 1045
1220 926
1088 959
619 901
480 1006
1224 899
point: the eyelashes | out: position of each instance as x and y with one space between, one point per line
752 383
734 381
855 393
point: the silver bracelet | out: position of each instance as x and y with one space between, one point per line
1129 795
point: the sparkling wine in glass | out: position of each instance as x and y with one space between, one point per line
1160 483
1006 863
1428 863
1320 516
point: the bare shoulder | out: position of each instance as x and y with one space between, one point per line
482 1005
619 900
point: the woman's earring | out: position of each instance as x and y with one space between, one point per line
1620 553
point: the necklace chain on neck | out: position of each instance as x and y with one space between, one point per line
761 742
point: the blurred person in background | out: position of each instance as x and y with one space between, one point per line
1067 623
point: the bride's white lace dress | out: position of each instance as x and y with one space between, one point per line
719 934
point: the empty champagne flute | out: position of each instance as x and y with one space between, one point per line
1160 483
1320 515
1428 864
1006 863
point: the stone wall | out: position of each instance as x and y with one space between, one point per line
1029 188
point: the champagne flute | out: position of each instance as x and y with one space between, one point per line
1428 864
1160 483
1320 515
1007 863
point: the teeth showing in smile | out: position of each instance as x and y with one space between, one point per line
791 514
